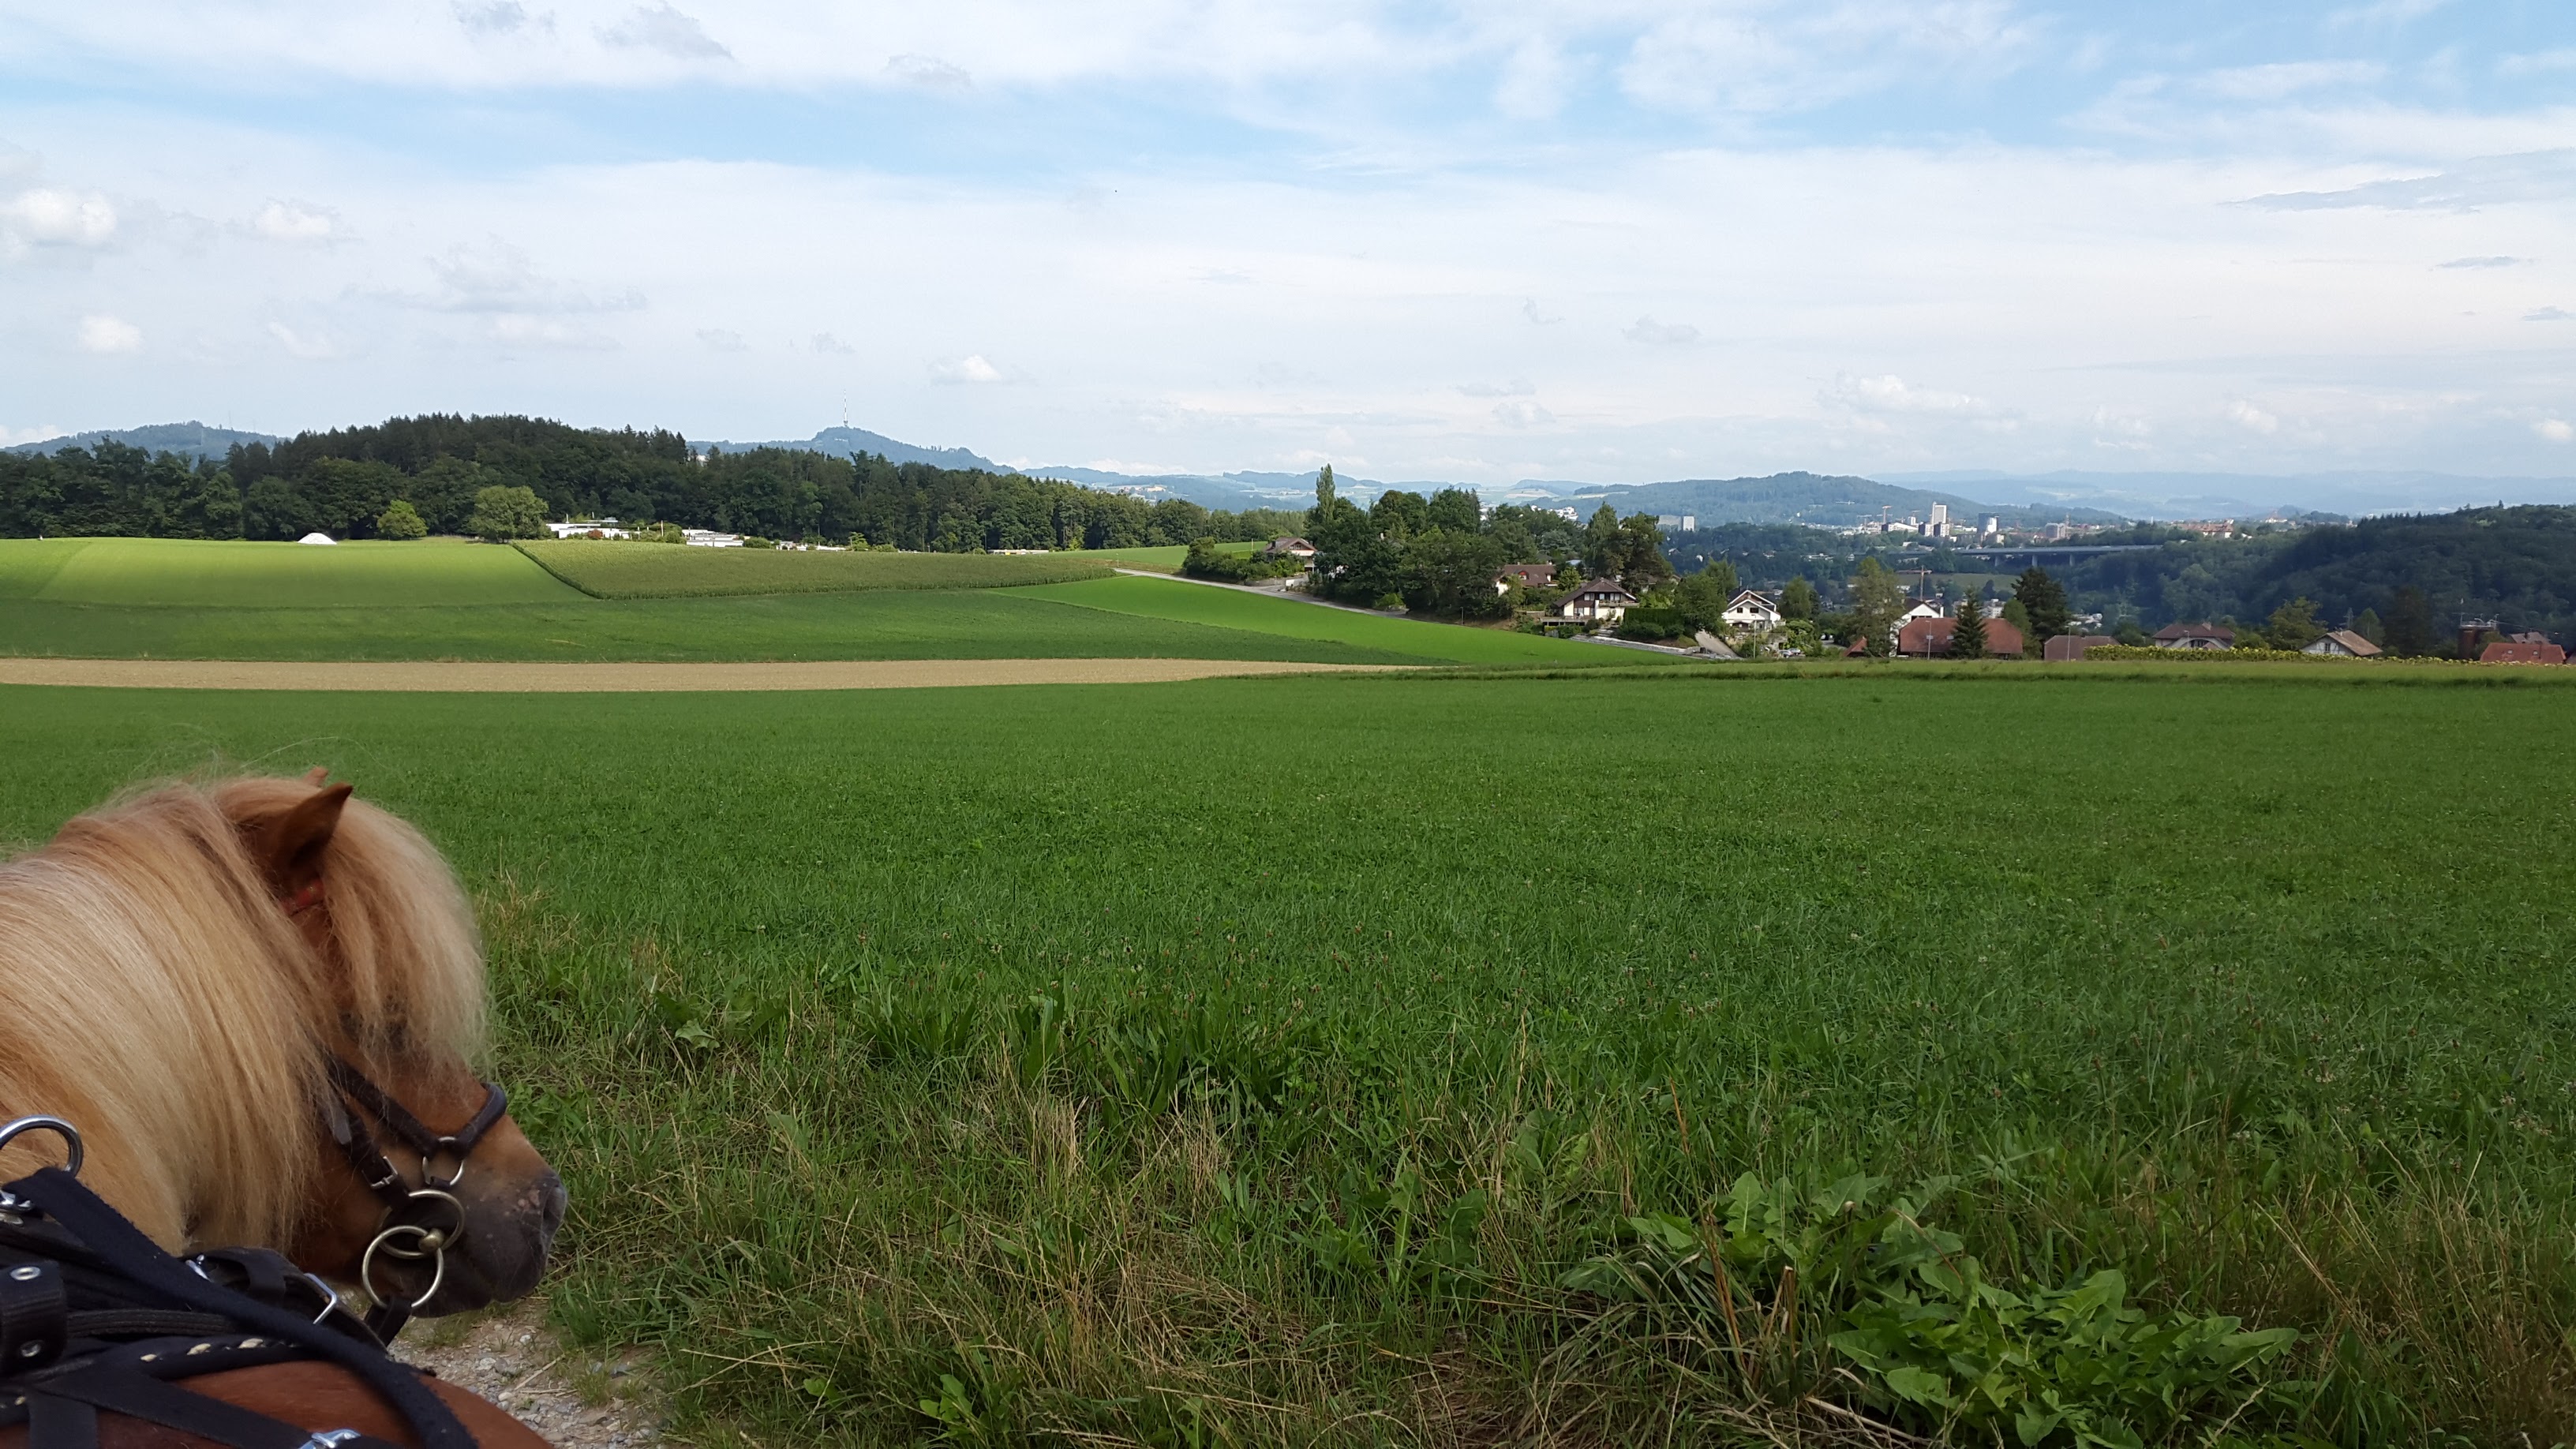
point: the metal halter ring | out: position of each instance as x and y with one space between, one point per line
437 1256
10 1131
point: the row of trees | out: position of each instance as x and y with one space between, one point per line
345 483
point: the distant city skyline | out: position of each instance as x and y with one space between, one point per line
1601 242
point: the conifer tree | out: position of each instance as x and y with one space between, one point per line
1968 628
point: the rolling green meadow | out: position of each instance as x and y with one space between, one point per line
149 598
609 569
2037 1057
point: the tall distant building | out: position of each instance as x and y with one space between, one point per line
1940 521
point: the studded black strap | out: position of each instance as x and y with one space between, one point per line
34 1316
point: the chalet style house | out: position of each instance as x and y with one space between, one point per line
1751 610
1601 601
2344 643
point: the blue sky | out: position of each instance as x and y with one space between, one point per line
1610 242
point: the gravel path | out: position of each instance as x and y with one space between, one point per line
535 678
574 1400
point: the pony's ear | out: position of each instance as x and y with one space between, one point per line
289 846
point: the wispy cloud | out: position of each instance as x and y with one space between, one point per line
2480 181
662 28
106 335
1661 334
2466 264
972 368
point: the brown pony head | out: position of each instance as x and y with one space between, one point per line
179 971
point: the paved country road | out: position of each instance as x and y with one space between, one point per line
465 677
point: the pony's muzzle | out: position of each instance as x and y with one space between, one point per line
509 1231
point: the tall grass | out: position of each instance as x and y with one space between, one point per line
1336 1061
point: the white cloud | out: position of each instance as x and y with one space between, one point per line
2253 419
929 72
2547 314
720 339
515 331
309 346
2274 82
968 369
48 216
1661 334
662 28
1765 56
2538 62
2555 430
2458 264
825 342
1521 413
292 221
499 17
494 276
1529 309
1892 394
107 335
1517 387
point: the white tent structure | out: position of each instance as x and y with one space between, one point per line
324 539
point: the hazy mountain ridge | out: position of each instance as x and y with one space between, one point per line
190 439
2230 495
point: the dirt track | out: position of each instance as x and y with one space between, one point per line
464 677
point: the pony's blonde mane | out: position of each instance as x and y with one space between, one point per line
153 994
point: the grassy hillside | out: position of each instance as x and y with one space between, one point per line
1234 609
955 624
190 572
1163 559
611 570
1362 1061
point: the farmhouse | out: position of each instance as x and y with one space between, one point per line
2515 651
2195 636
587 528
1928 638
2343 643
1527 575
1289 548
1923 609
1751 610
2065 647
1601 601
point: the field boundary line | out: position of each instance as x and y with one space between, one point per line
533 677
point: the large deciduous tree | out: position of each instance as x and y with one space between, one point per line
1877 600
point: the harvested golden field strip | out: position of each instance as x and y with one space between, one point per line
515 677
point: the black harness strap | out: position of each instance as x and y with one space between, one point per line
107 1234
54 1423
141 1396
35 1317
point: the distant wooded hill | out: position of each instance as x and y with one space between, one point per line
339 482
188 440
1815 499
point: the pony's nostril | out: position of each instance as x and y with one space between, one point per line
551 1202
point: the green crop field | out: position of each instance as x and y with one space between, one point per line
1163 558
2179 1060
613 570
1235 609
960 624
196 573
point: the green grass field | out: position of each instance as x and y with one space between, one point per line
1234 609
613 570
196 573
147 598
1374 1061
1163 558
955 624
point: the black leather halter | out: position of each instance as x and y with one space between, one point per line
419 1222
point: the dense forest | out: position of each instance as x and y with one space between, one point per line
342 481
